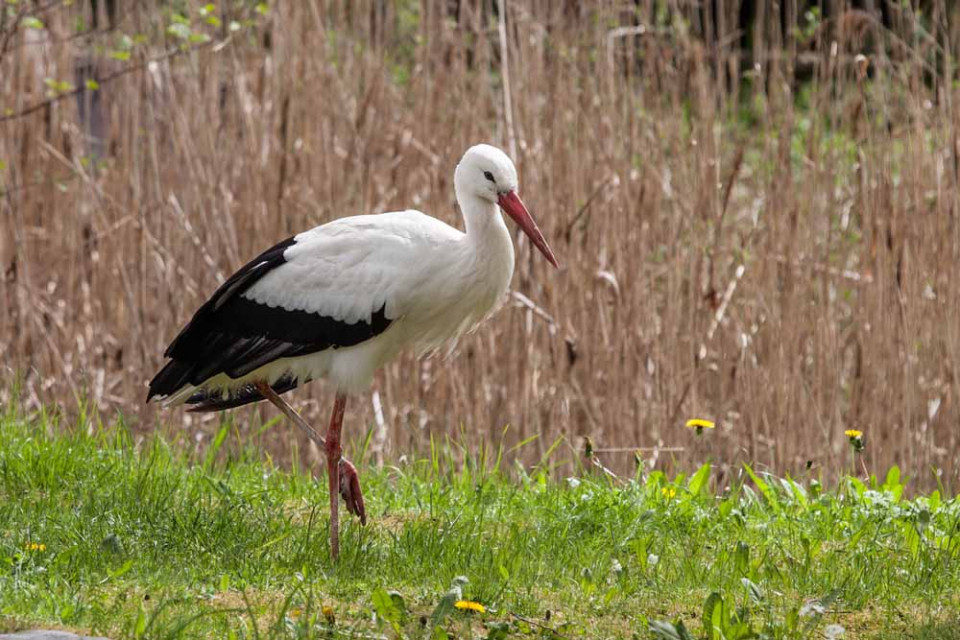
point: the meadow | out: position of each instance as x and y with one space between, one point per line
157 539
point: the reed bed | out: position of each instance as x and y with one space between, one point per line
755 226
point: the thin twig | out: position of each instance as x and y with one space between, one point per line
612 179
532 306
846 274
553 632
722 309
635 449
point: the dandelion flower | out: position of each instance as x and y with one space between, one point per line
295 613
35 546
668 492
700 425
856 439
327 612
467 605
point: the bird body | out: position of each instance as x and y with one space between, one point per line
340 300
425 275
428 278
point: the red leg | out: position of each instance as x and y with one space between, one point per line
334 452
346 478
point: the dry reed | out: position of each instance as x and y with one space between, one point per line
760 231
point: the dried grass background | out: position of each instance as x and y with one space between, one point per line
763 232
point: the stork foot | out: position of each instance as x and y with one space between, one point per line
350 490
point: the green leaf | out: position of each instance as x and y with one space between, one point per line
856 537
58 86
741 558
858 486
498 630
33 23
389 606
799 494
739 631
754 590
912 539
893 483
713 616
444 608
140 627
768 493
699 479
124 568
123 56
218 441
893 478
93 85
262 8
669 630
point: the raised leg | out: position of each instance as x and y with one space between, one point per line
343 475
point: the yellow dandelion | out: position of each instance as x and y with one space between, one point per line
856 439
700 425
295 613
35 546
668 492
467 605
327 612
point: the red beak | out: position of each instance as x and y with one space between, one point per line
512 205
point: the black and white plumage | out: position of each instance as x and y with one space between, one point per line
340 300
233 335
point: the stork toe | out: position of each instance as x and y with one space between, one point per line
350 490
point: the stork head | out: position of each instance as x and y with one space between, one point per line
487 173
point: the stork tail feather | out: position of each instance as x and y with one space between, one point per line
209 400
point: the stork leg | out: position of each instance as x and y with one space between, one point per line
343 477
333 464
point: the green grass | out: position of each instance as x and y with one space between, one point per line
144 540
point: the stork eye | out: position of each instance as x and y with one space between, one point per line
489 176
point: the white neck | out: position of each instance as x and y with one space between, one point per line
478 216
489 241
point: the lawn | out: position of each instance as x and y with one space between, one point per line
133 537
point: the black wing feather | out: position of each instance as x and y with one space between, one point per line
235 335
243 279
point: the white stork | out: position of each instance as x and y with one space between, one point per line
340 300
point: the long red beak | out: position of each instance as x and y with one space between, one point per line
511 203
